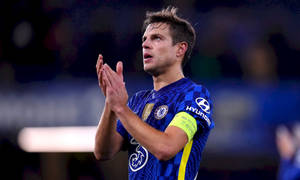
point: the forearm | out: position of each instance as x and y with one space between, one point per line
163 145
107 140
155 141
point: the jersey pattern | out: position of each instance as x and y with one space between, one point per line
158 108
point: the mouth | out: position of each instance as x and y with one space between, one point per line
147 57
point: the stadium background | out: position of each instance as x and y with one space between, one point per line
247 54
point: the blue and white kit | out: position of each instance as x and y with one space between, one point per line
158 109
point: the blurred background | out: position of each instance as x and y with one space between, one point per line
247 54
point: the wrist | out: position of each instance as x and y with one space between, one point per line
119 110
108 109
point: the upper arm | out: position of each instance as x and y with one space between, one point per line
181 130
177 139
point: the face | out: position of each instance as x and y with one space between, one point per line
159 53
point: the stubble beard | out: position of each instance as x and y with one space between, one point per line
153 71
158 70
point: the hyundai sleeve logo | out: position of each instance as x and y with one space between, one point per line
203 104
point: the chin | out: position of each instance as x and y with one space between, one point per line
147 68
152 71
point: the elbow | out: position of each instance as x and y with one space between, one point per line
165 154
98 156
102 156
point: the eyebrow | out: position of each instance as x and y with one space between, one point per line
152 35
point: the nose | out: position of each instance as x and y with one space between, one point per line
146 44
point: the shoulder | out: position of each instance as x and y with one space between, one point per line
195 96
196 90
196 101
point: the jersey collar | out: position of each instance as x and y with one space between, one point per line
171 87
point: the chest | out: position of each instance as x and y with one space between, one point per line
157 111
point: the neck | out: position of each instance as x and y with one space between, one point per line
165 79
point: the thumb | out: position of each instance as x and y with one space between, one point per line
119 69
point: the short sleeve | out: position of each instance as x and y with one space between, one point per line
196 101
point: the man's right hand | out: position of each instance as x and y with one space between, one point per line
107 140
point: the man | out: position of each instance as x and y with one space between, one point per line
288 146
164 129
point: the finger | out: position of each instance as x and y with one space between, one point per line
100 78
100 68
112 76
99 63
102 83
119 69
106 78
100 58
108 70
99 73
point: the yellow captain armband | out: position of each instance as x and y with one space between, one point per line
185 122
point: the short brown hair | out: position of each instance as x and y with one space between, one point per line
180 29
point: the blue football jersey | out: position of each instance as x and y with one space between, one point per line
158 108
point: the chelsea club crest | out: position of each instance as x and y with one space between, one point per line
161 112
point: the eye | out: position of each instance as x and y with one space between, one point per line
143 39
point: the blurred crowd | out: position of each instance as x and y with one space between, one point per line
46 40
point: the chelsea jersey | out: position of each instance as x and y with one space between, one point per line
183 104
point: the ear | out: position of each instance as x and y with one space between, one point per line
182 48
